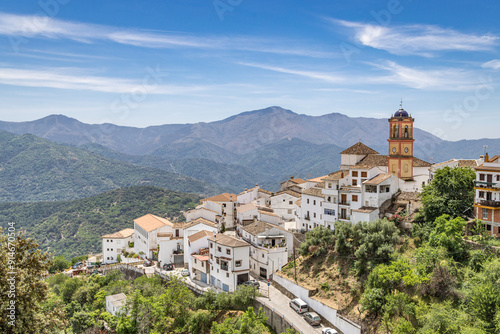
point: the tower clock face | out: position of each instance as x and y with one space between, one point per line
393 150
406 149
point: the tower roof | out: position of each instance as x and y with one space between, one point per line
401 113
359 149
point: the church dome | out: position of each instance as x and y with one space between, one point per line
401 113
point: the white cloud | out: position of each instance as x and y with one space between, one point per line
494 64
445 79
25 26
332 78
417 39
61 78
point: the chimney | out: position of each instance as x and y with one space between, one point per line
486 157
256 184
291 177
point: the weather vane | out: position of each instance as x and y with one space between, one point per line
401 104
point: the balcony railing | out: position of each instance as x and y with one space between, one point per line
226 268
345 202
307 217
491 203
345 217
484 184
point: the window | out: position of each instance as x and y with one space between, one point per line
237 263
314 214
217 261
481 177
485 213
354 198
203 264
329 199
354 182
364 174
211 257
262 255
227 274
290 202
330 212
211 245
308 201
219 249
488 227
329 185
195 261
498 177
355 173
228 251
314 202
481 194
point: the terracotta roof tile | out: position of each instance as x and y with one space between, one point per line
378 179
335 176
420 163
151 222
467 163
372 160
289 192
125 233
359 149
315 191
227 240
199 221
365 209
200 234
259 227
263 212
225 197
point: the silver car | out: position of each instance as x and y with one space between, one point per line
312 318
329 330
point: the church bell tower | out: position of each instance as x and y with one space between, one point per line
401 144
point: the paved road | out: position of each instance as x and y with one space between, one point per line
280 302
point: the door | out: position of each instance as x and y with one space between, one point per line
263 272
212 280
203 277
343 198
489 178
225 287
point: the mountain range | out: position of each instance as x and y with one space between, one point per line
263 146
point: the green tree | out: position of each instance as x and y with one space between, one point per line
448 233
22 289
247 323
60 263
451 192
318 241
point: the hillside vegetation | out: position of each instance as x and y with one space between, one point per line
427 281
72 228
35 169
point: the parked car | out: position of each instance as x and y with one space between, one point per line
185 272
312 318
168 266
147 263
252 283
329 330
298 305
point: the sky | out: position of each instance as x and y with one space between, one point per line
141 63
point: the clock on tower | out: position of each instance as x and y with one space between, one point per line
401 144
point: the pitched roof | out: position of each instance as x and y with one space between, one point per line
289 192
200 234
335 176
266 191
359 149
378 179
259 227
372 160
151 222
164 234
365 209
297 180
225 197
318 179
125 233
246 207
227 240
315 191
467 163
269 213
197 221
420 163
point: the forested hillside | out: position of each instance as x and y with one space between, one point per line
72 228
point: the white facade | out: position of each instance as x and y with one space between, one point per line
259 196
114 303
246 212
195 242
205 213
229 262
282 204
194 227
113 244
270 247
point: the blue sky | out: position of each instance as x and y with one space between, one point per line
143 63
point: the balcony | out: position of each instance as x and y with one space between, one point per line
307 217
226 268
345 202
484 184
491 203
345 218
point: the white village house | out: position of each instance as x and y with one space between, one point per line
113 244
270 247
229 261
114 303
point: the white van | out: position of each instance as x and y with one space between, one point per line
299 305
